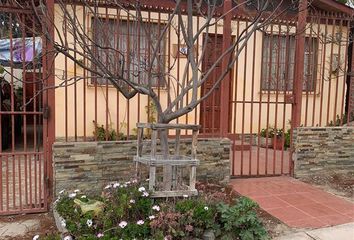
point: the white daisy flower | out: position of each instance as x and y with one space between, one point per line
134 181
63 223
83 196
115 185
76 190
185 196
151 217
72 195
140 222
206 208
36 237
89 222
141 189
108 186
145 194
132 201
123 224
68 238
156 208
99 235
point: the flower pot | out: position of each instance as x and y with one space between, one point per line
278 143
263 142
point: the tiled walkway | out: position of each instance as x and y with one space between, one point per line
295 203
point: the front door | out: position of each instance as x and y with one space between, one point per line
210 107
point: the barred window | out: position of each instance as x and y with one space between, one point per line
278 63
126 49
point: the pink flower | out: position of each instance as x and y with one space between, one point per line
100 235
189 228
140 222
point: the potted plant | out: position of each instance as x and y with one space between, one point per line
277 138
265 138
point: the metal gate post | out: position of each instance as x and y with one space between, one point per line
299 64
50 102
225 84
298 73
350 95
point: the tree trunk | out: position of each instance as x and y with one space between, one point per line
167 169
161 118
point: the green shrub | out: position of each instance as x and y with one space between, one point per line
51 237
123 203
129 213
101 133
287 139
240 221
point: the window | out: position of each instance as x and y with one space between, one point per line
278 63
126 48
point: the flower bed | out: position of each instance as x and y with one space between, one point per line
126 211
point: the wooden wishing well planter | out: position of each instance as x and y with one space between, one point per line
177 172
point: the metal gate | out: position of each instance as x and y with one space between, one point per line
23 127
265 82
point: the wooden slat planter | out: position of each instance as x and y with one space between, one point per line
173 165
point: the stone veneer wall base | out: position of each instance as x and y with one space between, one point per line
88 166
321 150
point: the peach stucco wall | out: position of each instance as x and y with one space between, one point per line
118 116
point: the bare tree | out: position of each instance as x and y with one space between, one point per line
107 62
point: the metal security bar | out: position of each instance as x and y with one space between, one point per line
254 107
262 93
23 150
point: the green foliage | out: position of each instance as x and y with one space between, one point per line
51 237
287 139
102 133
122 203
270 132
202 214
341 120
151 112
145 218
241 221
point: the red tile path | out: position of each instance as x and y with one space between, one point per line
295 203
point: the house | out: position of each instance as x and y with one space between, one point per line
262 92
